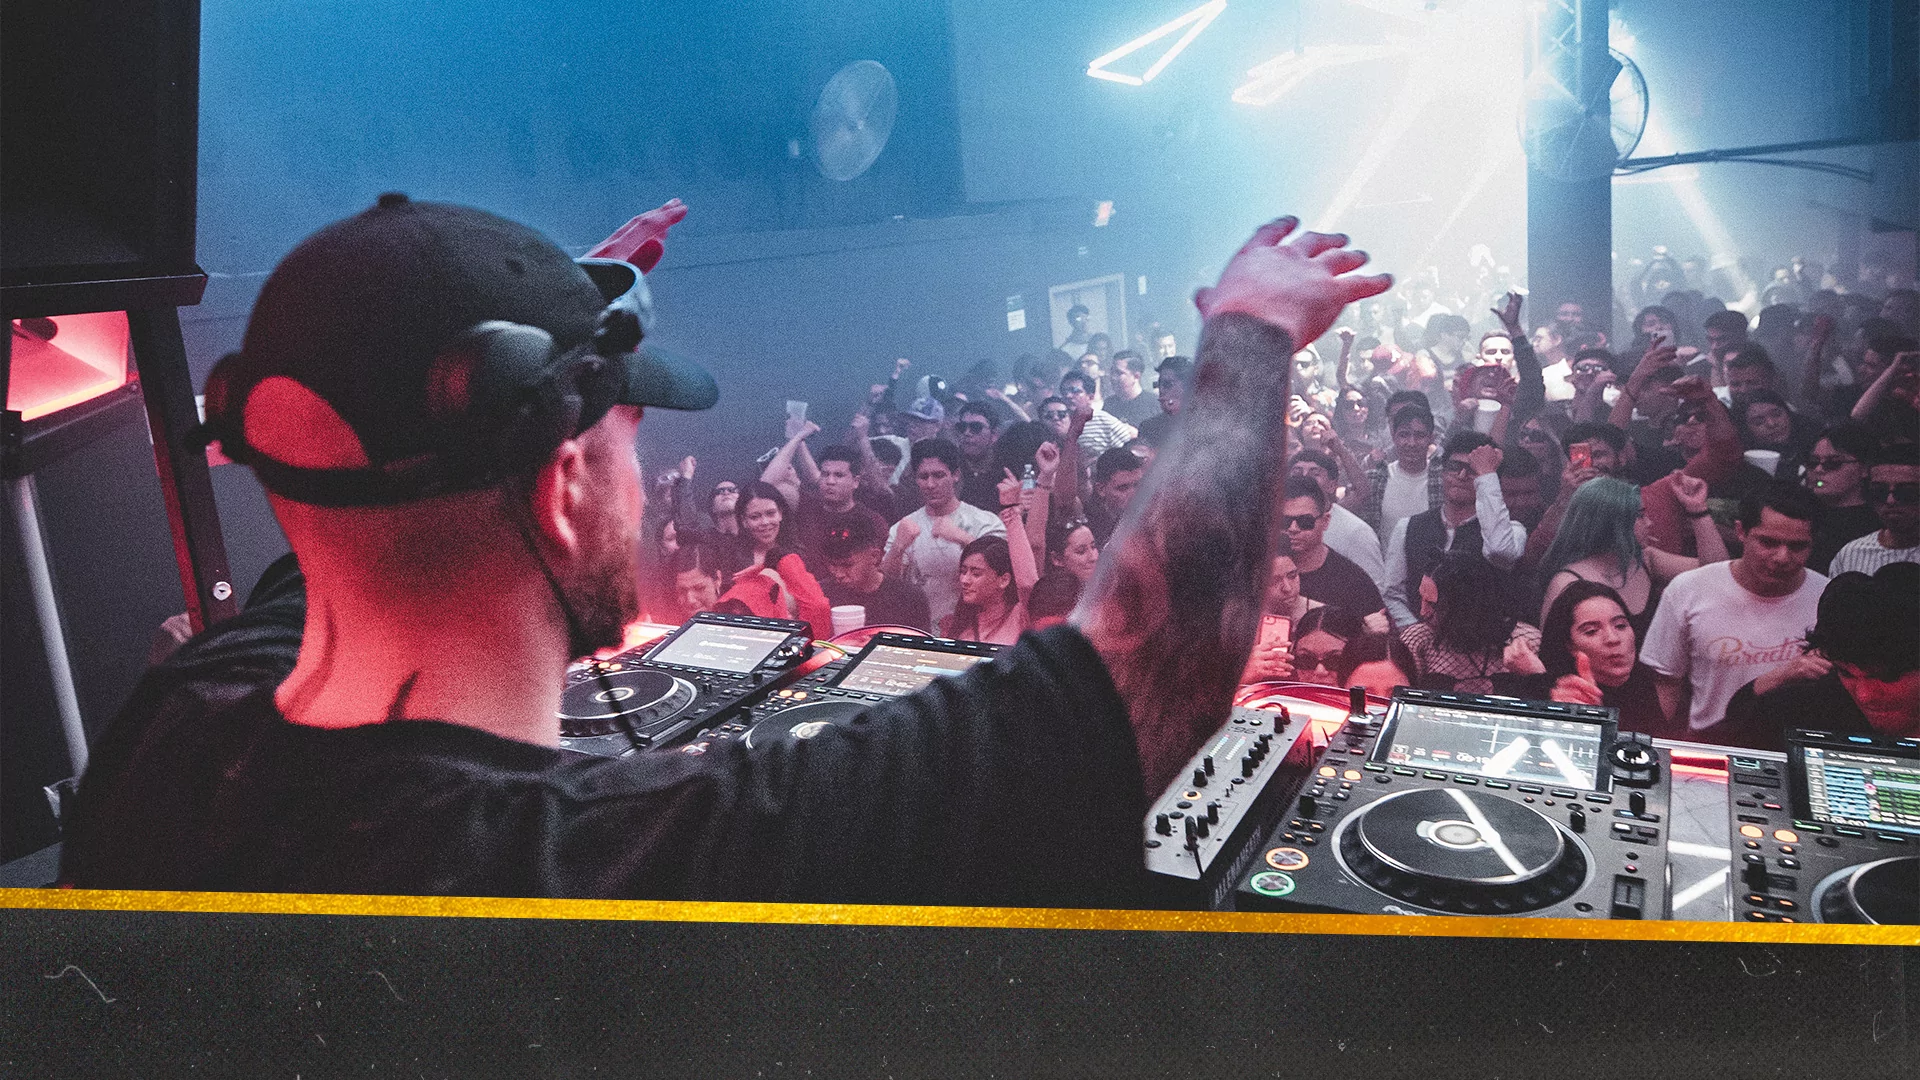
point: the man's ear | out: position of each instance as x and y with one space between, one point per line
558 496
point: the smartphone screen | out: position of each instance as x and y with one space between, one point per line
797 410
1580 456
1275 631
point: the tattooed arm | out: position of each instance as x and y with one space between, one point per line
1175 602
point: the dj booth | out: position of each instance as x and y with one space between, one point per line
1314 799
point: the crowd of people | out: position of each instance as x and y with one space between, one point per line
1677 524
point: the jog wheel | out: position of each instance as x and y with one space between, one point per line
644 697
1464 852
802 722
1885 892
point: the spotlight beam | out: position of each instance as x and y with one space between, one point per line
1195 21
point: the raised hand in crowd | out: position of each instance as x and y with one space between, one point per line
1580 688
1509 315
1806 667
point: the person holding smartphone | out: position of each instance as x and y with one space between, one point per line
1284 607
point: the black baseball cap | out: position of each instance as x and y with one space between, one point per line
350 339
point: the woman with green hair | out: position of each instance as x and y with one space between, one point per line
1604 538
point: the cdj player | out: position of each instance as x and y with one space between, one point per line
1837 842
713 662
889 666
1462 804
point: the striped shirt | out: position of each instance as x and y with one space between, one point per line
1866 555
1103 432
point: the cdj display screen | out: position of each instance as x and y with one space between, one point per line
897 671
1847 787
1541 749
733 649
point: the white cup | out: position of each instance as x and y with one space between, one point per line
848 617
1484 413
1764 459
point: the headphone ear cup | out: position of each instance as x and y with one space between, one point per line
506 397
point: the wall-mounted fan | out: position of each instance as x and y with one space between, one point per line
853 118
1570 139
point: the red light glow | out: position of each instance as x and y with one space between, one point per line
66 360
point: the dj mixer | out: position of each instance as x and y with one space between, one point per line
888 666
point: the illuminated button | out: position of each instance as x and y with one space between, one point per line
1466 780
1788 849
784 693
1753 831
1785 904
1757 916
1753 844
1772 805
1309 841
1532 789
1786 836
1756 900
1287 858
1350 774
1327 770
1501 784
1272 883
1402 770
1632 869
1374 768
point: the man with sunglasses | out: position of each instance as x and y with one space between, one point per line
979 475
1893 490
1325 574
1836 473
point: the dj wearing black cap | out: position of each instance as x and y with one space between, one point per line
443 408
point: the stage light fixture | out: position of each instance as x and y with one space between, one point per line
1195 21
1279 76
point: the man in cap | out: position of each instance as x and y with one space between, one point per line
443 409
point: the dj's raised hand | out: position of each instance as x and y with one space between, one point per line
643 240
1299 286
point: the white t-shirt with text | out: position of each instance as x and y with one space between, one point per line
1720 637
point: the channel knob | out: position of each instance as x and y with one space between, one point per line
1637 803
1199 778
1577 820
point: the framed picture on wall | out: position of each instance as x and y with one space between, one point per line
1081 309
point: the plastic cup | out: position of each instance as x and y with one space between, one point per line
847 617
1484 413
1764 459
